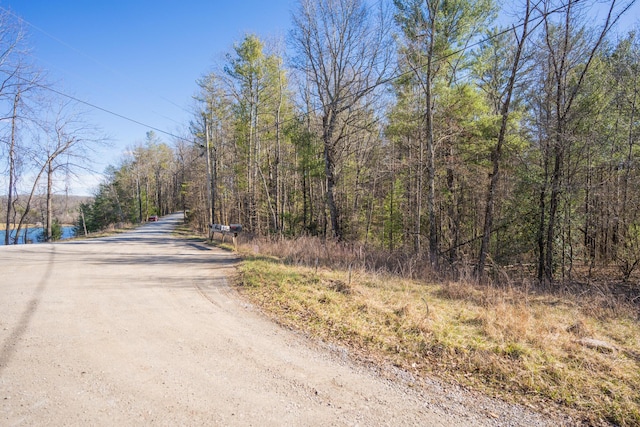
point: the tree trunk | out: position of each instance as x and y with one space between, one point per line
628 164
48 230
542 218
431 156
454 216
139 191
431 185
496 153
210 200
417 225
84 223
328 124
276 163
554 201
12 167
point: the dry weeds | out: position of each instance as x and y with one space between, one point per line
507 341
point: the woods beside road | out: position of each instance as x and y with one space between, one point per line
448 189
554 350
143 328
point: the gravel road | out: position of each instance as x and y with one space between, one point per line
142 329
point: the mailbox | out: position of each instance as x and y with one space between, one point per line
219 228
224 230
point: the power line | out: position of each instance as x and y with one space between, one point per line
89 104
271 127
377 84
89 57
113 113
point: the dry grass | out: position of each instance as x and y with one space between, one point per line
505 342
311 251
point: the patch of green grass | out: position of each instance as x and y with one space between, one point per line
502 342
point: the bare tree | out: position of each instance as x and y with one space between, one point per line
504 103
569 55
58 145
344 48
436 36
16 78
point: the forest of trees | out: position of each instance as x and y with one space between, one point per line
427 128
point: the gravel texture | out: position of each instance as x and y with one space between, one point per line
143 329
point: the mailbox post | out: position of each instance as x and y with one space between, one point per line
233 229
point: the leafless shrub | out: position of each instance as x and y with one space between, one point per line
513 282
311 251
628 256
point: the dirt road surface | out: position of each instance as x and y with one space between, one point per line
142 329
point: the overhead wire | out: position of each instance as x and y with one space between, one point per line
89 57
300 116
113 113
94 106
100 64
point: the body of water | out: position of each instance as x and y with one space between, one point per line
33 234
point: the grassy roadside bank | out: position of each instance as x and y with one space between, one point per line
533 349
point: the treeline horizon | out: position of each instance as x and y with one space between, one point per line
420 128
64 207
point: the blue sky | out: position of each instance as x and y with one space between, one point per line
141 58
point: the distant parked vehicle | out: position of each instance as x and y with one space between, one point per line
153 218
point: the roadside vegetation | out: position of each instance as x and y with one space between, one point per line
548 350
466 172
